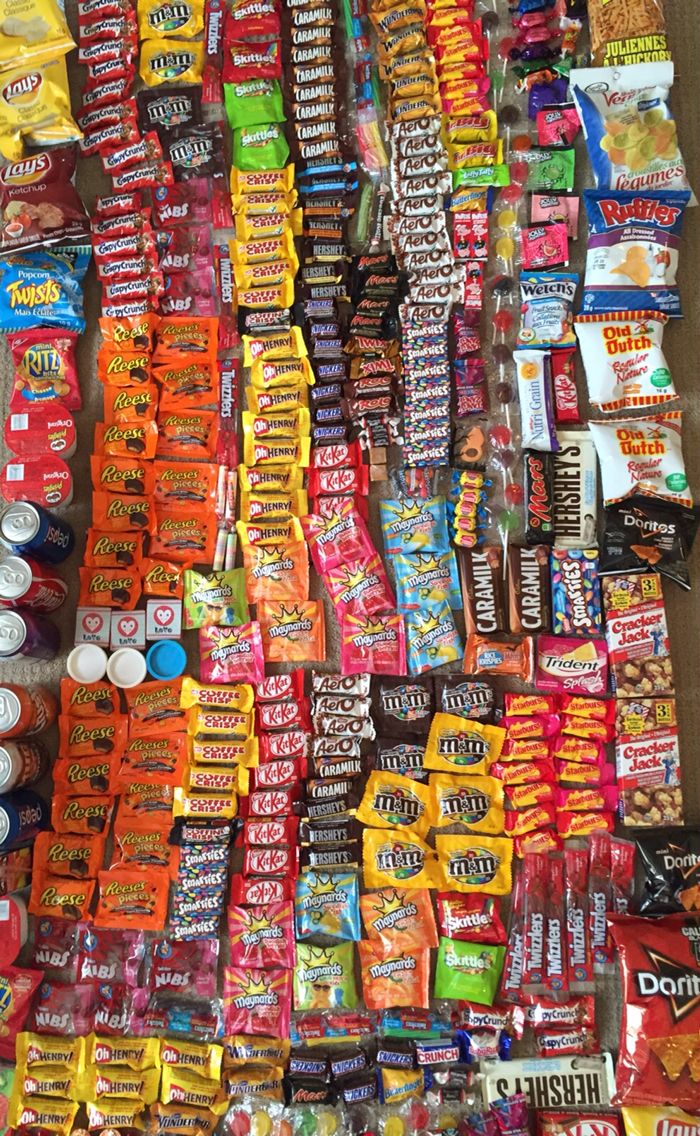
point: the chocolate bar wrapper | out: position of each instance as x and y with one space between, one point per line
481 576
528 589
575 490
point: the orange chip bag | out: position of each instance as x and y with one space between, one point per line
80 815
191 435
277 573
184 536
138 844
130 897
134 439
109 587
161 578
123 368
398 918
130 403
88 700
53 896
394 976
154 708
185 483
294 632
92 737
119 512
122 475
72 857
113 550
134 332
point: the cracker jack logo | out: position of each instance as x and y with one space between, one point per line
679 984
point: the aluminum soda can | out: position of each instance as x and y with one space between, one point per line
23 815
26 710
29 636
28 527
25 582
21 762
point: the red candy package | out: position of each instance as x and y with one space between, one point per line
257 1001
45 368
471 918
262 936
17 986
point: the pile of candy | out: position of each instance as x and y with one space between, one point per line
377 867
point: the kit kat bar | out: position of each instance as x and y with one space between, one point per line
529 589
483 591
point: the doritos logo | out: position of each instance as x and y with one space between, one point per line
679 984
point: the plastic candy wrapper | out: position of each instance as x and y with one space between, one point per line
469 971
257 1001
629 129
395 975
433 639
472 918
546 314
556 207
293 632
475 863
642 455
392 801
374 644
633 244
397 918
262 936
231 654
410 525
397 860
360 586
476 802
337 539
277 573
327 904
566 664
324 977
218 598
485 655
458 745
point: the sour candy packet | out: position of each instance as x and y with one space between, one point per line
394 975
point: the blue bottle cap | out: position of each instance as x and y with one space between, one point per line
166 660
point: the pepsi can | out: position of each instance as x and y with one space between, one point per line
27 527
23 815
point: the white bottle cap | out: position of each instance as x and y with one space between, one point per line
87 663
126 668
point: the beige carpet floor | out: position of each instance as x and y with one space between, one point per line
682 345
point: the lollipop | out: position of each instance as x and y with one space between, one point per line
504 49
500 437
502 323
519 172
502 290
489 23
505 250
514 493
509 115
502 356
522 143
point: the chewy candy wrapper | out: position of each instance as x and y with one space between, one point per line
629 130
327 904
472 918
293 633
374 644
324 977
395 975
217 598
427 577
578 942
469 971
418 525
396 918
433 639
262 936
231 654
257 1001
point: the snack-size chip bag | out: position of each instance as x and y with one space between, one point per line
324 977
17 986
231 654
215 598
433 638
629 129
468 971
399 803
475 863
624 360
257 1001
45 369
33 33
642 455
327 904
397 859
262 936
398 918
395 975
293 632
